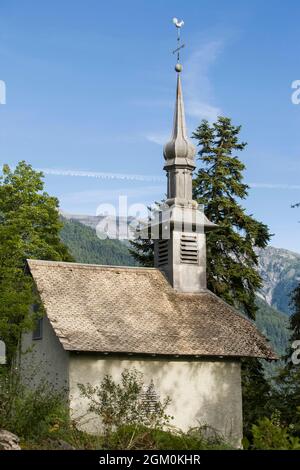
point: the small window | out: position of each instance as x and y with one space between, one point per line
38 331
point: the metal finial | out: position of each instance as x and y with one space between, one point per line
178 24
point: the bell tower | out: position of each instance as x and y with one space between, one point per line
180 247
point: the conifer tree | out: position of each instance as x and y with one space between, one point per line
231 258
143 251
218 185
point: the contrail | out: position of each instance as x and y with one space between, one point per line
147 178
274 186
101 175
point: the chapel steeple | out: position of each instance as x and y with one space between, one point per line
179 154
180 247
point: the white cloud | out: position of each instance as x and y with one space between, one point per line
99 196
158 138
201 110
198 88
274 186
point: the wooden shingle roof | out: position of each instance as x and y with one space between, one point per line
135 310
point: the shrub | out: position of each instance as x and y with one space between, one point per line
126 403
30 413
136 437
271 434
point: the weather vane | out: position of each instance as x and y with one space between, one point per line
178 24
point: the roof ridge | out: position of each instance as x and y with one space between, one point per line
68 264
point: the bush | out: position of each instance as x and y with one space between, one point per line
270 434
136 437
133 417
30 413
126 403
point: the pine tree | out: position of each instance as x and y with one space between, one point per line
143 251
29 228
218 185
231 258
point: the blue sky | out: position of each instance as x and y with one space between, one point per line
90 87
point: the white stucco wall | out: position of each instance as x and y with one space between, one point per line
202 392
44 359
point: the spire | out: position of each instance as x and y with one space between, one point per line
179 154
179 150
179 230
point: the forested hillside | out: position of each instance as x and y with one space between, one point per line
86 247
274 325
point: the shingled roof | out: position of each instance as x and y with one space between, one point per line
135 310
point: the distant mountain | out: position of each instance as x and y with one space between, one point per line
280 271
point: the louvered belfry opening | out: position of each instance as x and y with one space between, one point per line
163 248
188 249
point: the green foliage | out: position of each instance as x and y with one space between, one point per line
274 325
86 247
29 413
270 434
286 395
40 418
29 228
232 261
16 297
138 437
142 251
295 317
29 217
127 402
256 393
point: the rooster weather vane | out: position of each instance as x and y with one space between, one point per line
178 24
